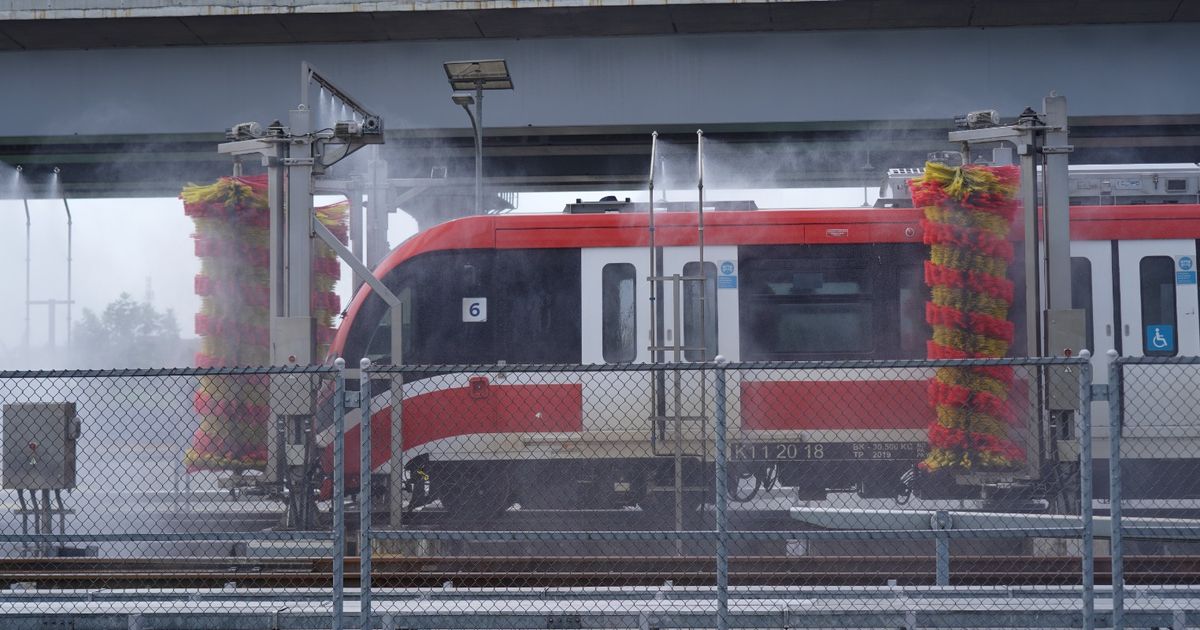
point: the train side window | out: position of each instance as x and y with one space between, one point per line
619 312
1159 333
1081 296
825 303
379 347
691 312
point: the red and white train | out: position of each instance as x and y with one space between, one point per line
572 288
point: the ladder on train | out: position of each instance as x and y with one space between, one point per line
668 402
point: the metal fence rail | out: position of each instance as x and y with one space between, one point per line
714 495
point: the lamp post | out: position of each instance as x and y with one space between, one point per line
476 76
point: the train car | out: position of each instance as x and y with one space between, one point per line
781 285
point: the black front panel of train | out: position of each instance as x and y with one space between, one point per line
537 303
478 307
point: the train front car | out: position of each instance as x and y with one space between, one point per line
571 289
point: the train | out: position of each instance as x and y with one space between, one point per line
573 288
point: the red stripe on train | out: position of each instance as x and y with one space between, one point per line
835 405
539 408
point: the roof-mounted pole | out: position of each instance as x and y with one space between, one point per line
700 239
655 354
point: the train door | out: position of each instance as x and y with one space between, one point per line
698 338
1092 291
720 296
615 320
614 305
1158 319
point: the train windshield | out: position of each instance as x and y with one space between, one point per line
379 344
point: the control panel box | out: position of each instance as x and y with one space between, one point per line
39 446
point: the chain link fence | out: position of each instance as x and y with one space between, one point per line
147 492
830 494
1154 490
740 494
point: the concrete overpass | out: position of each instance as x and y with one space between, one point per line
129 97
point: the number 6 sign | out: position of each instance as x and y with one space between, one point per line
475 309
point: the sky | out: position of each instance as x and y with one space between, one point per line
143 247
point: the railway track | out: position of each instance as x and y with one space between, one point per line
575 572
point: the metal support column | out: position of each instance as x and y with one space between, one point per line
339 494
364 493
28 282
941 523
1056 213
1084 431
298 240
354 195
276 194
677 451
396 406
378 207
1114 489
479 148
722 502
1029 148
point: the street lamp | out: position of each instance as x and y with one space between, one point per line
465 76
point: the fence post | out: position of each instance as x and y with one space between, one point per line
339 494
722 502
941 523
1115 387
1085 489
364 494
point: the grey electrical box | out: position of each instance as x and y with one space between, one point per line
1065 335
292 338
39 446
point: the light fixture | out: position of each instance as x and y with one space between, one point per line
466 77
487 74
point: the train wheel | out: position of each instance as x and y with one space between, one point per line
474 491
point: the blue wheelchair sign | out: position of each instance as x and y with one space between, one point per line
727 279
1160 338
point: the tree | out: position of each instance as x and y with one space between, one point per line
127 334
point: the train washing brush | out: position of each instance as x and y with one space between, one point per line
968 214
231 239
